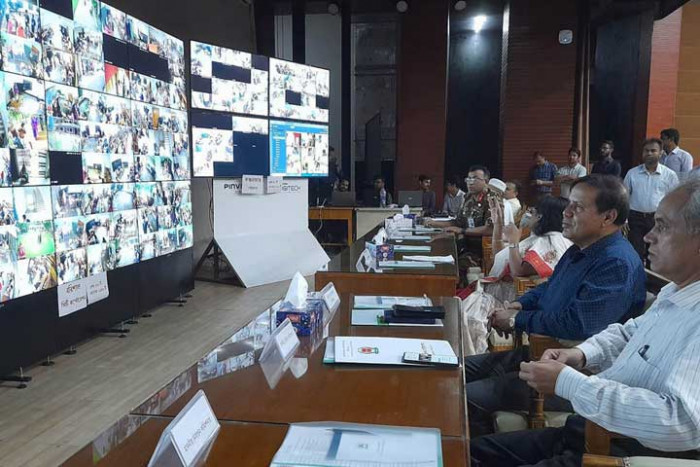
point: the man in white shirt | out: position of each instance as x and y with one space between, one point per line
568 174
675 158
454 196
647 185
511 197
646 371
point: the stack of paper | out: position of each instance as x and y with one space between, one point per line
405 265
376 302
449 259
337 444
412 248
381 350
424 238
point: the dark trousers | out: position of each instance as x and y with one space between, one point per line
493 384
551 447
640 224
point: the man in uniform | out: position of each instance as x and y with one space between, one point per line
474 217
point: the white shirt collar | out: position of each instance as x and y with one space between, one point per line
687 297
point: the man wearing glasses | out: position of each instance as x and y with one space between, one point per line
474 217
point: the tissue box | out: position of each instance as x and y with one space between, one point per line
384 252
306 322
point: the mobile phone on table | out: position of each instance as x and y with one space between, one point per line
430 359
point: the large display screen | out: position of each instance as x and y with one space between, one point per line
225 145
299 92
94 144
228 80
298 149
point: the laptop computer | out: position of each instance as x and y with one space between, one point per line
412 198
343 198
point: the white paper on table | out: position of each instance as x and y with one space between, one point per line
329 354
365 317
406 265
449 259
349 445
401 236
385 350
376 302
412 248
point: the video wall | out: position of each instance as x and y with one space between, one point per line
94 143
237 91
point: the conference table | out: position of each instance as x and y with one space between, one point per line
254 417
438 282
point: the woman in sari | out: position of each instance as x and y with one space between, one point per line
537 255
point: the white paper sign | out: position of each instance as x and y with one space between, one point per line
274 185
286 340
72 297
253 185
195 429
97 288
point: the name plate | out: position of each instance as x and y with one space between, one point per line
274 185
286 340
195 428
252 185
331 297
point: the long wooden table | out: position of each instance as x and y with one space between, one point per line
438 282
239 444
255 418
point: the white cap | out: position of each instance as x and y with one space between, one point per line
498 185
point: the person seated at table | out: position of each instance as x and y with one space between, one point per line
344 185
511 197
600 280
645 371
537 255
381 196
429 199
474 217
454 196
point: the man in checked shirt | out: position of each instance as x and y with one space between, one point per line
646 372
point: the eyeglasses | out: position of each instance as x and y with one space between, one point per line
471 179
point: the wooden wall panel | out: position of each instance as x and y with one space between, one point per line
421 112
539 88
663 79
687 113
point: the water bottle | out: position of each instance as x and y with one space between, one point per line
382 198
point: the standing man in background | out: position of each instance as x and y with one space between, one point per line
606 165
647 184
675 158
542 175
454 196
429 199
568 174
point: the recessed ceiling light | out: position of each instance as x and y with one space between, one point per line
402 6
460 5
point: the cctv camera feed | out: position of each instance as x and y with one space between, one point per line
91 94
221 138
299 92
229 80
298 149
